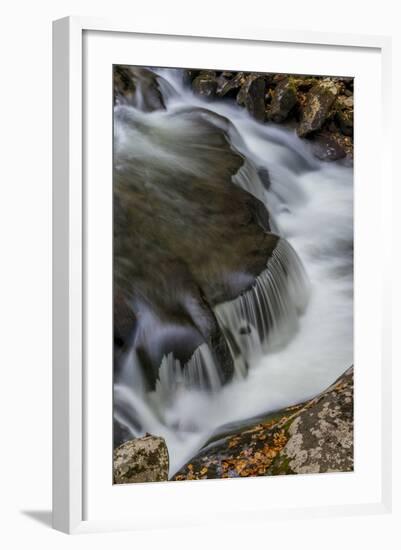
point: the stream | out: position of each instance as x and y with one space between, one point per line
298 334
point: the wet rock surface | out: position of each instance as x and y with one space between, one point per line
313 437
141 460
181 224
138 87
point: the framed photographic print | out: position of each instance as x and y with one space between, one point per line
219 318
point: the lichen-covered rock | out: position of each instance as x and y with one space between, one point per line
318 104
321 435
140 460
312 437
283 101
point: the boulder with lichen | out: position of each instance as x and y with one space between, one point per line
312 437
140 460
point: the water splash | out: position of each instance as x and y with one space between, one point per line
200 372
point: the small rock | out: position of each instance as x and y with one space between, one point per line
231 86
205 84
316 110
326 147
252 96
283 101
140 460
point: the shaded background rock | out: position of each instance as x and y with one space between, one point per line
205 84
319 107
141 460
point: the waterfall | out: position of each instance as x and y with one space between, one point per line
266 316
291 332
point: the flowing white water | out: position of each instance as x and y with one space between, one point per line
311 203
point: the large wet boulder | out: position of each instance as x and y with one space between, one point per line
138 87
312 437
317 108
141 460
186 237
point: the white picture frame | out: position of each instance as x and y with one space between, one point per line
70 252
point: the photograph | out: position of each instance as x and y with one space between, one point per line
233 234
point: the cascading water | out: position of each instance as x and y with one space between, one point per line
291 334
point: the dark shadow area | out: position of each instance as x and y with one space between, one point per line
41 516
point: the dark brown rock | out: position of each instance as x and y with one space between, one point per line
252 96
317 108
141 460
192 73
138 87
326 146
283 100
344 114
205 84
